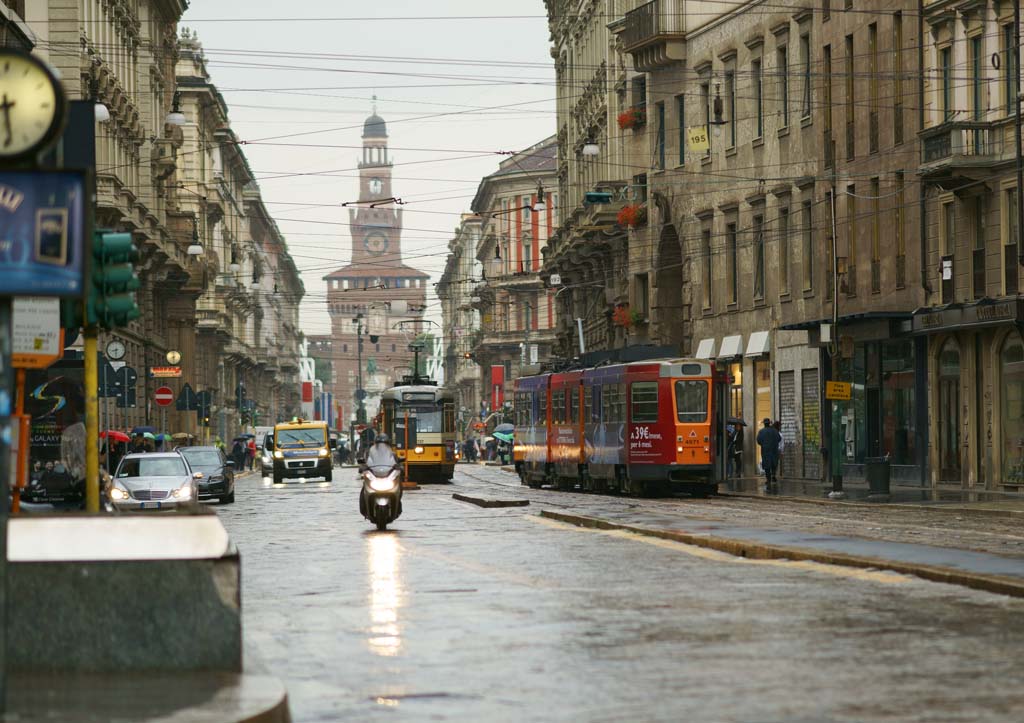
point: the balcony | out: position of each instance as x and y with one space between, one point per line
962 151
654 34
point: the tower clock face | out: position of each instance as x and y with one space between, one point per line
376 244
376 185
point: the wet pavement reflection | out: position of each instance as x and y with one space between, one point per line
464 614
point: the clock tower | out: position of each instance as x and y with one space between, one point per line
376 229
377 303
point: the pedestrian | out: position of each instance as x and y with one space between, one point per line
238 455
138 444
769 439
250 452
734 449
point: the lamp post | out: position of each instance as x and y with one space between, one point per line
360 393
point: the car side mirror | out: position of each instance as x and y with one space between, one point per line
197 475
229 463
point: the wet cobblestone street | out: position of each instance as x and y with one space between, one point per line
466 614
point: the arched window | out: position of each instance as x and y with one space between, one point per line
1011 362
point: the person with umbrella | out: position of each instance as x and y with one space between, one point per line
238 453
734 446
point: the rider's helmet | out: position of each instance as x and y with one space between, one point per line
382 439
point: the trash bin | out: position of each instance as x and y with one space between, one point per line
876 469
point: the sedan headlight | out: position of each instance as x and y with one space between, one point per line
117 494
278 454
183 492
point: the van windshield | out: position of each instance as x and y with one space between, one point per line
313 437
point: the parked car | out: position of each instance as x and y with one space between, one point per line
152 481
218 473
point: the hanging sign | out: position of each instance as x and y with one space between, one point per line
164 372
838 391
697 139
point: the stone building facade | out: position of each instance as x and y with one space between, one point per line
461 321
517 308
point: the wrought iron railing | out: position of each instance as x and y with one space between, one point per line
963 138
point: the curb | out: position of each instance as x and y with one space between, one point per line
761 551
481 502
980 512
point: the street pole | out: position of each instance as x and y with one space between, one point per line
833 458
92 422
6 384
579 330
360 394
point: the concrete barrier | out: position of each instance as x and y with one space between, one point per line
135 592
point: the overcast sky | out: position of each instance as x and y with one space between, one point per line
455 84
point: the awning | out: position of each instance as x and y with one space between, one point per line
732 346
706 349
956 317
758 344
847 319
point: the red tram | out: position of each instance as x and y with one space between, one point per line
642 428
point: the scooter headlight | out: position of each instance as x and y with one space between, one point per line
383 485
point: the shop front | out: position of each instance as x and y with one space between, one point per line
976 355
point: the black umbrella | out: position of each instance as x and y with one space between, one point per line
736 420
246 436
505 428
143 430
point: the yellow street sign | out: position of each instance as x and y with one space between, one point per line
838 391
697 137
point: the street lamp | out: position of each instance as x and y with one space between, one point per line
175 117
540 205
590 148
360 393
194 248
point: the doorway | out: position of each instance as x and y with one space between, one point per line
949 413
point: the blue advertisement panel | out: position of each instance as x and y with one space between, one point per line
42 232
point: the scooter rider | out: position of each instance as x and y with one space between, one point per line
381 454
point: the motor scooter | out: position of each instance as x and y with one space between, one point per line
380 500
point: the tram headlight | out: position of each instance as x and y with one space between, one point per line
679 449
418 450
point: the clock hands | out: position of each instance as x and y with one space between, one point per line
6 108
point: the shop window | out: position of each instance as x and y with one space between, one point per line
1012 367
949 419
762 391
736 390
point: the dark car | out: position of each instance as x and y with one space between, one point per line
218 480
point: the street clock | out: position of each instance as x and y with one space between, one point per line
376 243
376 185
115 350
33 109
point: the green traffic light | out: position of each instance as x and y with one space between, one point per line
111 302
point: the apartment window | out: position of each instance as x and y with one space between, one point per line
831 265
730 97
851 239
783 251
527 208
850 98
1012 244
1009 65
948 229
946 71
847 4
757 79
758 227
805 63
976 70
827 81
873 88
705 99
782 61
659 112
898 220
807 250
826 10
948 257
897 62
705 262
527 254
978 252
876 237
641 291
731 251
681 122
640 92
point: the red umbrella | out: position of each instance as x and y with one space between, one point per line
116 436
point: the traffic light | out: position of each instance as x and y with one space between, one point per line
111 302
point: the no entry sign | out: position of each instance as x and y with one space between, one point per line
164 396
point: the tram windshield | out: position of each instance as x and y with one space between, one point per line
692 401
429 420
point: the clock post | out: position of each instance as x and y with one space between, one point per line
42 222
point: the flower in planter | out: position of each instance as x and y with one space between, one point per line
633 215
632 118
636 317
621 316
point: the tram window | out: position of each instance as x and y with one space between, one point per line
621 403
596 409
543 415
690 370
644 401
692 401
588 404
429 420
574 405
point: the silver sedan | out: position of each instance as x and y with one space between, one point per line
152 482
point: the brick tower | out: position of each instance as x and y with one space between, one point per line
387 297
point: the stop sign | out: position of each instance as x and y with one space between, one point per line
164 396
